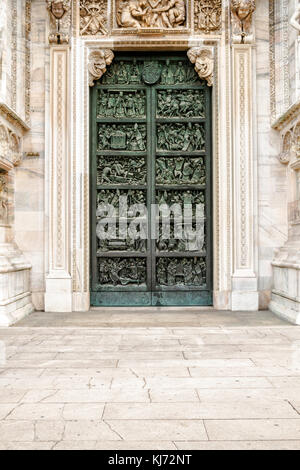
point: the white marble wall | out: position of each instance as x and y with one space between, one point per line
271 180
30 218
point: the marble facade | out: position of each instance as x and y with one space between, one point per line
45 49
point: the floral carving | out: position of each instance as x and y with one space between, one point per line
241 19
207 15
138 14
93 17
204 63
98 62
60 19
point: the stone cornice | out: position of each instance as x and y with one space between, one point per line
285 119
13 118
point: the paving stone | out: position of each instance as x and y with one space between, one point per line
215 410
85 411
36 411
88 430
16 431
236 445
256 429
49 430
159 430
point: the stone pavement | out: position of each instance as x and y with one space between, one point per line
209 380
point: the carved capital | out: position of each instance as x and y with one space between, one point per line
203 59
60 20
98 62
241 20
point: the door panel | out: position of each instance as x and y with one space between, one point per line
151 144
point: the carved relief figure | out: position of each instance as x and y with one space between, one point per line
93 17
150 13
207 14
241 19
59 20
295 18
98 61
204 63
3 199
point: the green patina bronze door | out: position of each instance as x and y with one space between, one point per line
151 212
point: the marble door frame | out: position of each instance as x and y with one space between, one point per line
234 170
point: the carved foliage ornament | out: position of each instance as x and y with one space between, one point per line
207 15
241 20
98 62
204 63
93 17
163 14
60 20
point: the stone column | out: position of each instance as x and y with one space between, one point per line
244 280
58 295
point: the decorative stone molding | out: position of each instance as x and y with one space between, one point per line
204 62
286 120
98 62
241 20
244 280
207 15
150 16
93 17
10 116
60 20
58 280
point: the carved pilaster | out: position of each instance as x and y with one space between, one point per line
58 296
203 59
241 21
244 283
60 20
99 60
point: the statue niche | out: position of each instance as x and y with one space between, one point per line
241 19
147 14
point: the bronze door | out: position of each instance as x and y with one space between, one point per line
151 204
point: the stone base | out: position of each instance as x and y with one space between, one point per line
285 308
244 301
17 309
58 296
15 296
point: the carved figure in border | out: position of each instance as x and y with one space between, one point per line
241 19
93 17
98 62
204 63
60 20
295 18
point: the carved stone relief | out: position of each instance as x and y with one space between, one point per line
93 17
98 62
207 15
10 146
145 14
295 18
60 20
286 148
241 20
204 63
3 198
